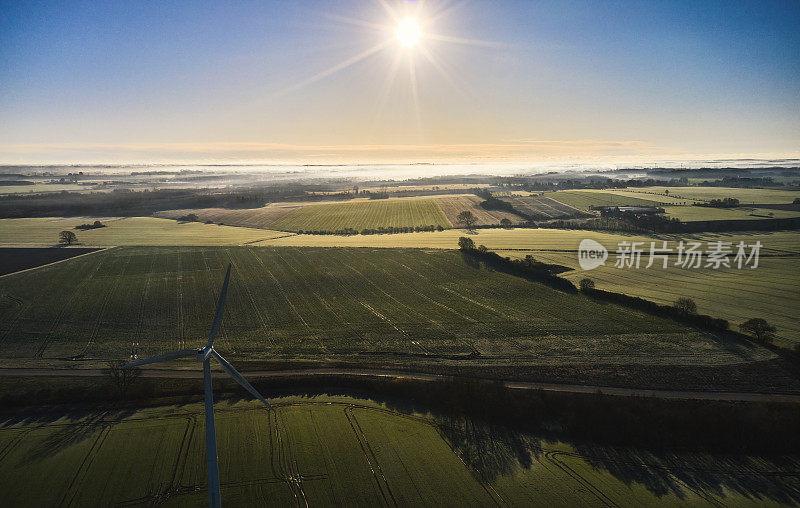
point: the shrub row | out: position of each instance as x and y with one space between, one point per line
547 273
96 224
670 311
528 269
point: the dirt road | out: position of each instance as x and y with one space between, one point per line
420 376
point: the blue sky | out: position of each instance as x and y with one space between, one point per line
161 81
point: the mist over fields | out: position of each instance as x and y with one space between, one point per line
421 169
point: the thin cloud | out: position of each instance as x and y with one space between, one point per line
516 150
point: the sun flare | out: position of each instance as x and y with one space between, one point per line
408 32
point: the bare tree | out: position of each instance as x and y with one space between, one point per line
586 284
121 378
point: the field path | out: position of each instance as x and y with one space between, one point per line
421 376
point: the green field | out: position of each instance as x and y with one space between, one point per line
777 242
645 193
544 208
135 231
261 218
454 205
358 215
395 305
746 196
704 213
649 196
339 451
127 231
769 291
518 238
585 199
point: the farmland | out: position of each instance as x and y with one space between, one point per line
585 199
520 239
261 218
341 451
465 187
16 259
672 203
452 206
704 213
396 306
770 291
732 296
162 232
127 231
647 194
744 195
358 215
542 208
505 239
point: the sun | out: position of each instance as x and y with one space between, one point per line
408 32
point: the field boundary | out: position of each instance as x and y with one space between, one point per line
424 376
99 249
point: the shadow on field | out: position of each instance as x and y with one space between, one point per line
493 451
758 479
490 450
470 261
67 431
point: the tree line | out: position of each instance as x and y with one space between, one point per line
683 310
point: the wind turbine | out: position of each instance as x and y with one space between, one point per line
204 356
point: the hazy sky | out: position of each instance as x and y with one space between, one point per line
163 81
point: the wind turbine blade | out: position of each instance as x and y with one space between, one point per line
162 358
227 367
220 307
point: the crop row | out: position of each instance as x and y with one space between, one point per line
584 200
360 215
542 208
261 218
452 206
349 452
310 301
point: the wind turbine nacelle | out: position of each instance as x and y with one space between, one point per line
200 356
